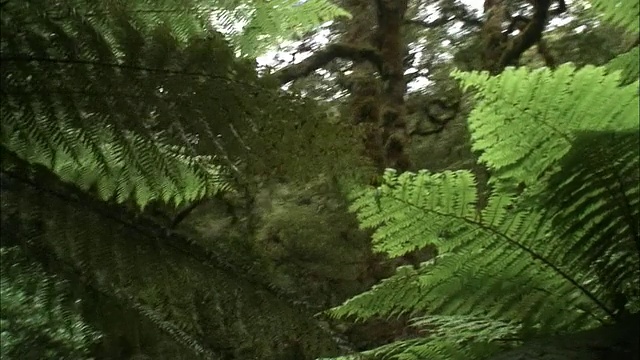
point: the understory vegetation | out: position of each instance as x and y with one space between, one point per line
164 197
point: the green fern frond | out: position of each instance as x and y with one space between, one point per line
483 255
595 206
100 92
628 64
397 206
624 13
396 294
178 180
464 328
36 318
449 337
273 21
573 250
525 121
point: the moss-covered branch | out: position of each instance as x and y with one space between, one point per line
325 56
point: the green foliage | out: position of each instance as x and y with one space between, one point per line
143 100
63 66
501 252
414 191
461 337
593 205
561 256
528 104
623 13
628 64
36 322
191 178
505 263
267 22
187 301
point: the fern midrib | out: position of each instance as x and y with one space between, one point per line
527 250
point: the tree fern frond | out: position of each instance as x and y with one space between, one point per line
387 298
500 260
565 260
112 85
595 206
516 122
628 65
240 312
449 337
266 23
36 319
67 53
466 327
623 13
399 202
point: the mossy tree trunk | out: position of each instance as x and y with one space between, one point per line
375 43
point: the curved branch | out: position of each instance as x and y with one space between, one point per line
322 57
531 34
523 24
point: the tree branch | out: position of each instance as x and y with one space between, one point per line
522 23
325 56
530 35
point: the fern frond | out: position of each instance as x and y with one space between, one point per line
624 13
525 121
394 205
36 319
449 337
628 64
99 92
492 263
61 63
267 23
516 265
464 328
595 207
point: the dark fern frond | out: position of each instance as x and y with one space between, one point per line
37 318
197 296
515 124
108 86
628 64
396 207
595 206
167 326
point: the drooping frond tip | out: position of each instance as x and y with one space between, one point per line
516 126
